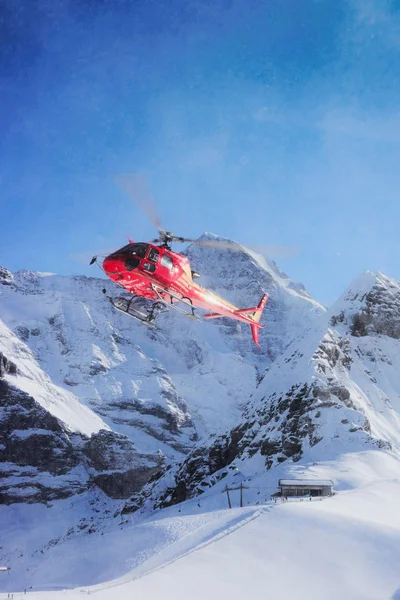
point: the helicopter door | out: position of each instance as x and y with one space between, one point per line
166 269
152 259
154 255
166 261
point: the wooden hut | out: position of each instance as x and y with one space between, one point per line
305 487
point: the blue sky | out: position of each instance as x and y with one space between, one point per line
269 122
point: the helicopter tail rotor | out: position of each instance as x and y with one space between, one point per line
257 316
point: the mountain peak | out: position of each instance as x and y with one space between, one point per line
368 280
371 304
255 257
6 277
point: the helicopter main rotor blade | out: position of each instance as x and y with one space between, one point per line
275 251
272 251
134 185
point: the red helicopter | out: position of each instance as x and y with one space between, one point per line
155 272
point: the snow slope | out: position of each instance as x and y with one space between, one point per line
347 546
308 550
82 541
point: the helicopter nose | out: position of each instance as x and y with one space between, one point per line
113 266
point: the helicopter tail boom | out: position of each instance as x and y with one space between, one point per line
252 316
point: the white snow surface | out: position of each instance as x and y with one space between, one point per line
346 546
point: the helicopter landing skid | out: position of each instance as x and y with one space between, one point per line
127 307
186 301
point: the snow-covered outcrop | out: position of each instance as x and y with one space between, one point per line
73 334
335 390
52 446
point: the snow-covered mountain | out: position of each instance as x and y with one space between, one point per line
334 391
94 408
124 398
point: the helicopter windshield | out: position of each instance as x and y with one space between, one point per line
138 250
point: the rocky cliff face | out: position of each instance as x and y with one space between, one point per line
371 306
39 462
333 391
6 277
43 461
51 447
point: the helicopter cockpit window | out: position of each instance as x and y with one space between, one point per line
154 255
131 262
138 250
166 261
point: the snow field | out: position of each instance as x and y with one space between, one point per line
346 546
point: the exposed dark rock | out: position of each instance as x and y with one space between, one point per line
360 322
6 277
172 426
120 484
341 392
6 366
34 443
380 313
22 332
96 368
41 460
335 319
269 447
120 469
